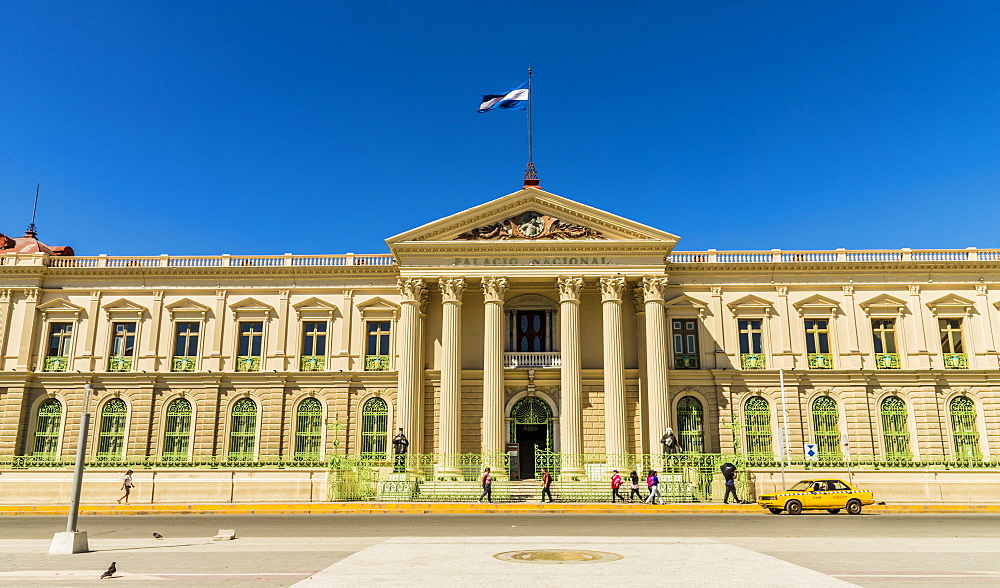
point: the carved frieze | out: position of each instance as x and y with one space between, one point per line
530 226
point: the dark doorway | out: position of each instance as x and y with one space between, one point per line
529 438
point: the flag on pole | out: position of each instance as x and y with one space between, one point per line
516 99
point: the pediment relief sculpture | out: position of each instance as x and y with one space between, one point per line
530 226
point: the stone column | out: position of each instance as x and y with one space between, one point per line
640 345
658 399
449 440
410 380
614 369
493 418
571 398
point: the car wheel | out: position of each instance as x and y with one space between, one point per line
833 510
854 507
793 507
775 510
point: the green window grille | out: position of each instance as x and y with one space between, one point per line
531 411
243 430
690 424
47 427
826 419
177 430
963 426
894 429
308 429
757 417
374 429
112 437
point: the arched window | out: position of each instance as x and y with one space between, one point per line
374 429
894 430
177 430
690 425
243 430
47 429
826 419
963 427
112 436
308 429
757 417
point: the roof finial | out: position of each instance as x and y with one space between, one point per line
31 232
530 176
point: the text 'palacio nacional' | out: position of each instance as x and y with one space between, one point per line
531 320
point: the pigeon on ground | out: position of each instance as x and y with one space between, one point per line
157 536
111 571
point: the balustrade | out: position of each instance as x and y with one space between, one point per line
535 359
821 361
753 361
120 363
956 361
887 361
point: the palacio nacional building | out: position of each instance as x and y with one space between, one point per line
531 323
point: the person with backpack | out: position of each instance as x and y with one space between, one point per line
635 494
616 483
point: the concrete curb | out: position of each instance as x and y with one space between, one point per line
457 508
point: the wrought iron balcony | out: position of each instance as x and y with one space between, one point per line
753 361
312 363
686 361
376 363
120 363
184 363
956 361
821 361
56 363
248 363
887 361
532 359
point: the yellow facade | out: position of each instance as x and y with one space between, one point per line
530 296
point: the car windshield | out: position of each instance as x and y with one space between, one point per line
803 485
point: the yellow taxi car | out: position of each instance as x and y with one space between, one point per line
829 495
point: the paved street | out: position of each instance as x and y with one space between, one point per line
466 550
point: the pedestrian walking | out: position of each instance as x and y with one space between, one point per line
126 486
546 485
730 475
635 494
616 483
487 482
653 483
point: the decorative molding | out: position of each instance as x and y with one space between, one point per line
611 289
569 289
781 290
716 290
32 294
494 289
981 289
532 226
848 290
411 289
654 288
5 295
452 289
914 290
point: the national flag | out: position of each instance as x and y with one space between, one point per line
516 99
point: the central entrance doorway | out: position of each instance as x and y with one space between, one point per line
531 429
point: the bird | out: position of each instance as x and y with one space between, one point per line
157 536
111 571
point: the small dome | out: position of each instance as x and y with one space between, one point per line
29 243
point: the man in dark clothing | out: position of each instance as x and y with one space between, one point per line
730 475
546 485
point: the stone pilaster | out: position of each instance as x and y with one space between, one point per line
494 290
451 371
614 366
571 421
658 391
31 299
410 373
5 316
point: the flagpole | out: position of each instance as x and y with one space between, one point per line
530 154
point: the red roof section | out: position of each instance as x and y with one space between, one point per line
29 243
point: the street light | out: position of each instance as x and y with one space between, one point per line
72 540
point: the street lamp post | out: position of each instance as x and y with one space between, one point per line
73 540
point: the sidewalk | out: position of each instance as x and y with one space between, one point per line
458 508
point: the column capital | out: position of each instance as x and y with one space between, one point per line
411 289
4 294
716 291
452 289
494 289
611 289
654 288
981 289
32 294
914 290
848 290
638 300
569 289
781 290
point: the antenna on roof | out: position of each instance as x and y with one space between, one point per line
31 232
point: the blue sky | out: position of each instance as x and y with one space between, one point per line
325 127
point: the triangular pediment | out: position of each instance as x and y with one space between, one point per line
952 304
532 215
817 304
750 305
315 306
883 303
123 307
60 306
685 302
187 307
251 306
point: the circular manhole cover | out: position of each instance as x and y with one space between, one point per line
557 556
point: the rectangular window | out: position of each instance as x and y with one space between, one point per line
685 333
377 346
884 335
818 343
60 339
186 343
123 339
251 339
314 339
751 337
951 335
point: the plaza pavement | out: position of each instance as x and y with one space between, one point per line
460 550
